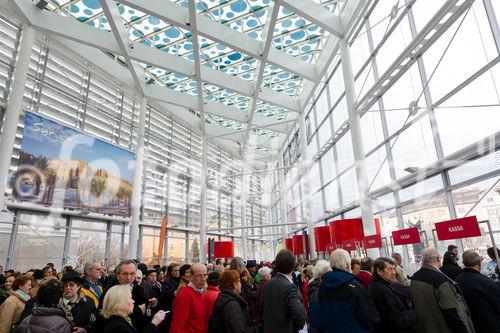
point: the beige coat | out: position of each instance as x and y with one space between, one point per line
10 312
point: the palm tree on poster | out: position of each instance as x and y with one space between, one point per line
98 185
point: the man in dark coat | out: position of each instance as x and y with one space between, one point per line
344 305
481 293
282 307
450 267
125 274
438 301
395 314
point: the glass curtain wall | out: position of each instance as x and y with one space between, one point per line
457 104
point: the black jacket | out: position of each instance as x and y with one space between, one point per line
344 305
282 308
313 296
231 314
117 324
137 317
451 270
249 294
482 295
395 315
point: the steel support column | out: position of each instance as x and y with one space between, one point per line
243 206
282 187
357 145
203 201
137 185
14 107
307 189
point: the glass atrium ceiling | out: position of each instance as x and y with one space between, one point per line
292 35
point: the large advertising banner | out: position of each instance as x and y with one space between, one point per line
61 167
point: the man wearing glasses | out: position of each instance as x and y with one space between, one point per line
189 307
80 311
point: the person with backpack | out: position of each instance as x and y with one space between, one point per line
231 312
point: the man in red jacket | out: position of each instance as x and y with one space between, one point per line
188 311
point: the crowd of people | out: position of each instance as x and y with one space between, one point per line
339 295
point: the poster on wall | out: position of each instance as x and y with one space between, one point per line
61 167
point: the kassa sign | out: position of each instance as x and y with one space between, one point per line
406 236
458 228
349 245
372 242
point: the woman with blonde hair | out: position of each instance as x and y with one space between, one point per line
117 306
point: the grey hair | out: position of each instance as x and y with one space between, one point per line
321 267
88 265
264 271
118 267
341 259
471 258
429 254
219 269
237 262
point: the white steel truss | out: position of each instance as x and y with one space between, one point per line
136 54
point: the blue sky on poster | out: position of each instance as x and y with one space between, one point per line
47 138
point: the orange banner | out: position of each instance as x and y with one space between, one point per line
163 232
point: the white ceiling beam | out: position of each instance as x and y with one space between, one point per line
317 14
197 66
121 36
69 28
178 15
259 92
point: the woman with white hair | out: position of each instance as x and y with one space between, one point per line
344 305
117 306
321 267
265 275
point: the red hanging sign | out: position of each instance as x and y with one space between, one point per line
321 237
330 248
372 242
298 245
349 245
223 249
406 236
458 228
289 244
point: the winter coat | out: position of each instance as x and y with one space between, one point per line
210 297
45 320
258 297
10 312
482 295
395 315
231 314
451 270
366 278
82 314
313 296
137 317
188 312
88 291
249 294
117 324
344 305
282 307
439 303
